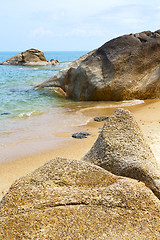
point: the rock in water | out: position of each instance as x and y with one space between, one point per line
5 113
28 57
126 67
71 199
122 150
54 62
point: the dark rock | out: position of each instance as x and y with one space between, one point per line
126 67
5 113
101 119
80 135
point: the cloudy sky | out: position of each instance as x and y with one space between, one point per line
69 25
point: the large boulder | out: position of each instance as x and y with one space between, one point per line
73 199
126 67
122 150
28 57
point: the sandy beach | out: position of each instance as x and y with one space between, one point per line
147 115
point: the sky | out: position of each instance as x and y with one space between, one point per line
72 25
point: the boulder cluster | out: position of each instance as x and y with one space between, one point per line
112 193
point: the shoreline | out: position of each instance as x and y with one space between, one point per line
147 115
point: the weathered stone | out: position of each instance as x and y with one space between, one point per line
101 119
80 135
122 150
73 199
29 57
54 62
126 67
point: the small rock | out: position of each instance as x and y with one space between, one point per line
80 135
5 113
54 62
100 119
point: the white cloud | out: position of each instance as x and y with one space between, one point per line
76 32
40 32
85 31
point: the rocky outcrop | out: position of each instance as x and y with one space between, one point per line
29 57
73 199
126 67
122 150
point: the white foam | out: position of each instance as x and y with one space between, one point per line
116 105
86 122
132 102
28 114
124 104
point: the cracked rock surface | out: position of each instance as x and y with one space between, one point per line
74 199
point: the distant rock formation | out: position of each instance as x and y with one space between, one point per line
54 62
122 150
126 67
29 57
73 199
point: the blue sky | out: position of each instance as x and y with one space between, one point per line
69 25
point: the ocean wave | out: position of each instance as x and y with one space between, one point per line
86 122
124 103
31 113
83 106
28 114
133 102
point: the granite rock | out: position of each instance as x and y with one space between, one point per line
122 150
29 57
73 199
126 67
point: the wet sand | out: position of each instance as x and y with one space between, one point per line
147 115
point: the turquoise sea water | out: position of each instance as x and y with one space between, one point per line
17 96
29 119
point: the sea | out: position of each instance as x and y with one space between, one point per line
30 119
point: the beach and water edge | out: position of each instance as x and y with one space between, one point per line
55 138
